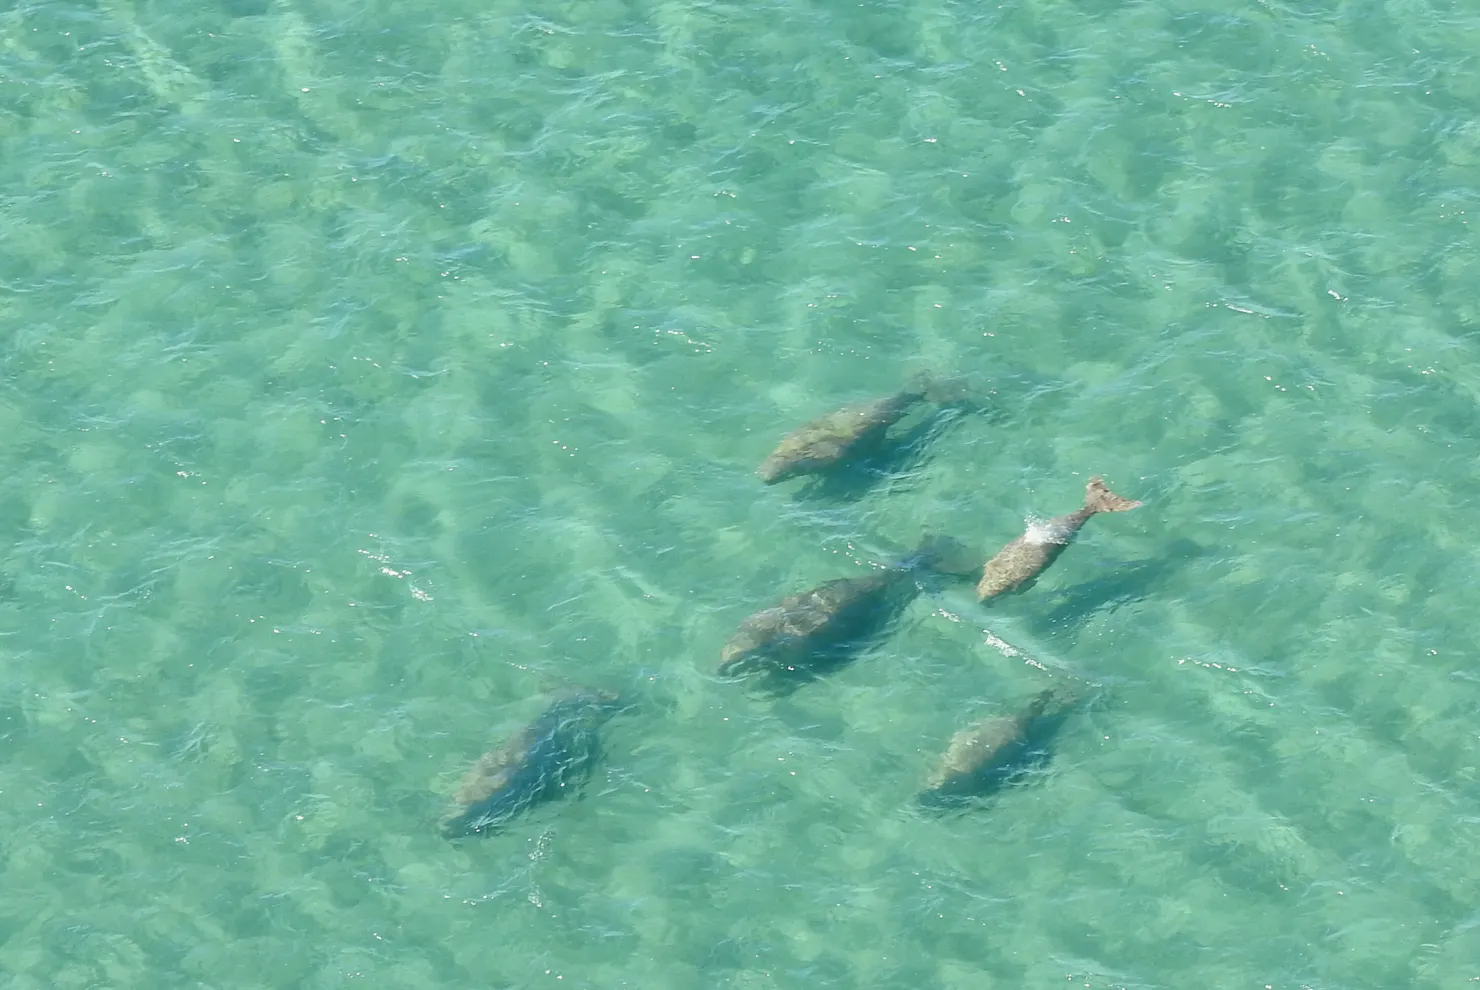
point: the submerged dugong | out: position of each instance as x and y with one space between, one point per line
1017 564
808 634
995 751
828 441
551 757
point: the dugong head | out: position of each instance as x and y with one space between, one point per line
757 644
781 465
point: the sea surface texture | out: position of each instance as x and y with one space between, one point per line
371 373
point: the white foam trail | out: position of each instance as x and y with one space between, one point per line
1005 648
1043 531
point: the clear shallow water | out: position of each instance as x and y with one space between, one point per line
372 371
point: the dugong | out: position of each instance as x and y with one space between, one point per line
995 751
828 441
551 757
1016 565
809 634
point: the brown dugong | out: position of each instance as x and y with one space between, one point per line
828 441
806 635
551 757
1016 565
995 751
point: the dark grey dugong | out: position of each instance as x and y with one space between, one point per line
1016 565
806 635
989 754
550 758
831 440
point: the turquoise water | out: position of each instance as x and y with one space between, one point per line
370 372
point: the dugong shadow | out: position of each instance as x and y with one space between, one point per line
1122 585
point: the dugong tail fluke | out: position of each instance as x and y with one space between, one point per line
929 387
944 555
1016 565
1099 498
